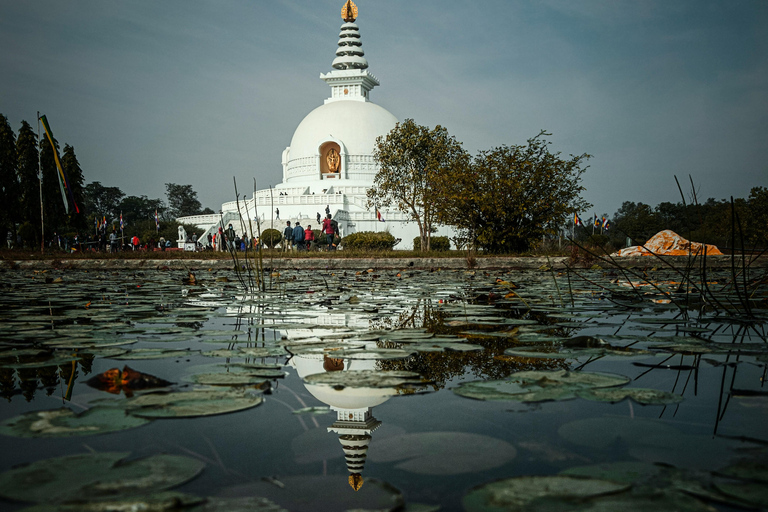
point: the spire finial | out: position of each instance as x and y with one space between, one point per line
349 12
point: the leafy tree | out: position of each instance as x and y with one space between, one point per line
27 155
182 200
102 201
138 208
638 221
74 172
411 158
9 179
757 217
512 196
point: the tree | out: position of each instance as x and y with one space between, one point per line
182 200
27 162
138 208
9 179
512 196
638 221
74 173
102 201
411 157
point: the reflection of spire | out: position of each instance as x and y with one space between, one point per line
354 427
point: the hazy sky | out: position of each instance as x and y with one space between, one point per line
196 92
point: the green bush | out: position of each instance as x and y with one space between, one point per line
271 237
369 241
436 243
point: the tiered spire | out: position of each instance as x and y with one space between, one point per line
349 80
350 52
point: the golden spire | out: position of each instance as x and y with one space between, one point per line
349 12
356 481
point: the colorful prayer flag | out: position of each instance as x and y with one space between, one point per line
157 221
121 221
576 219
597 221
378 215
64 186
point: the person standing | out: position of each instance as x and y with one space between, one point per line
231 238
9 239
319 218
135 243
328 230
298 237
113 241
309 238
287 237
220 239
277 213
210 240
327 209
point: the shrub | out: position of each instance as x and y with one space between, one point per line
369 241
436 243
271 237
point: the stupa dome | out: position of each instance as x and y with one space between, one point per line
353 125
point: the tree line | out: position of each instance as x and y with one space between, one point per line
512 198
721 222
21 194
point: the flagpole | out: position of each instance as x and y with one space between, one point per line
40 177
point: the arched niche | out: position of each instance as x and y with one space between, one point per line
331 160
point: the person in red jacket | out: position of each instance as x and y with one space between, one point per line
135 242
309 238
328 230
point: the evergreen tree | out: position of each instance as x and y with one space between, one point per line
75 175
9 179
27 163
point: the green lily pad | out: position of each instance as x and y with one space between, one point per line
521 493
246 504
65 423
152 353
186 404
94 476
157 502
640 395
249 378
366 379
443 453
621 472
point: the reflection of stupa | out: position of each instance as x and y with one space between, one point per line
354 421
329 163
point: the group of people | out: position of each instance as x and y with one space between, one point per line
297 238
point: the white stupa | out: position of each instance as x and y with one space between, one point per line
329 164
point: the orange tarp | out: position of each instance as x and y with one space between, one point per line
669 243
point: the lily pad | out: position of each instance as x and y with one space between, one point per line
65 423
152 353
186 404
96 476
156 502
522 493
366 379
249 378
443 453
245 504
640 395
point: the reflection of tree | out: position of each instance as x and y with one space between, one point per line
439 367
49 378
28 382
7 382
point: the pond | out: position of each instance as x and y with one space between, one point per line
406 390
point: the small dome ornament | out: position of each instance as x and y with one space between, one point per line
349 12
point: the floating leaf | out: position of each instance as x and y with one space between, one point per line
313 410
96 476
443 453
522 493
185 404
639 395
251 378
366 379
65 423
157 502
